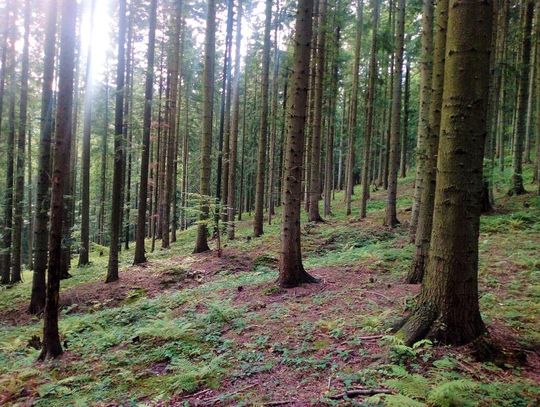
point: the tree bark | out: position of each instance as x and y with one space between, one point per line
315 174
52 347
405 133
423 114
140 256
395 126
291 270
353 106
448 310
85 193
18 195
174 63
263 126
517 187
206 139
425 218
234 128
369 110
119 146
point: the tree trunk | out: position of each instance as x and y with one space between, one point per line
537 162
119 146
273 131
174 63
140 256
291 270
21 143
234 128
61 158
405 133
206 139
395 126
353 106
85 193
425 218
263 126
423 114
448 309
369 110
315 174
5 253
329 163
517 187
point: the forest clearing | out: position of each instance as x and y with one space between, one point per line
270 203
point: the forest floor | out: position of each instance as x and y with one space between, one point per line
205 330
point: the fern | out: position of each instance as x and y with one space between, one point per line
399 400
454 393
410 385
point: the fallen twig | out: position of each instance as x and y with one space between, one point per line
360 392
278 403
368 338
380 295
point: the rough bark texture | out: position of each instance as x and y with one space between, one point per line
315 174
537 165
291 270
85 171
395 121
206 138
263 126
234 128
423 114
18 195
448 309
521 108
5 263
425 218
62 145
174 62
119 145
329 162
140 256
353 106
369 110
405 132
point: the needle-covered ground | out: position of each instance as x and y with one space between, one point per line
206 330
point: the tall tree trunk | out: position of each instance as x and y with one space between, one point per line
423 114
206 137
405 133
273 131
221 180
104 157
353 106
119 145
263 125
329 163
140 256
537 162
369 110
223 194
174 62
425 218
395 126
291 270
5 261
448 310
18 195
87 128
231 190
517 187
185 159
61 158
315 174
